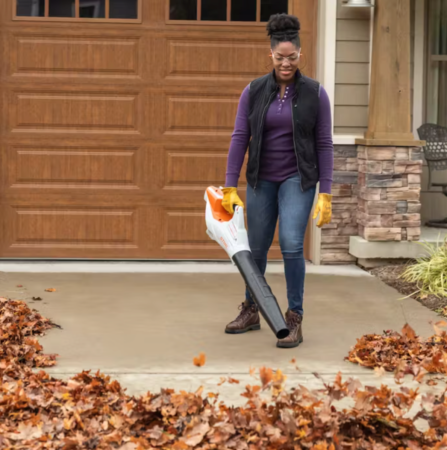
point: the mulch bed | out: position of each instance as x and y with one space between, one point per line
390 275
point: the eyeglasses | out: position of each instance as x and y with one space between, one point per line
292 58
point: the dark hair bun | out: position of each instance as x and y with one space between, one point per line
283 25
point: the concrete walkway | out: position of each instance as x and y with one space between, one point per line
145 328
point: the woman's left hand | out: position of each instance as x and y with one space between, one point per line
324 208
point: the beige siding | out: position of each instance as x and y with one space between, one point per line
434 203
352 70
353 95
350 116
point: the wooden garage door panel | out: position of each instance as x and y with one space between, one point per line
80 112
185 231
59 55
194 169
111 132
73 167
201 115
195 58
49 227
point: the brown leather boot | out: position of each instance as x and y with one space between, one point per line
247 320
294 323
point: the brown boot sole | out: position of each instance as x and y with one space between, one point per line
245 330
289 344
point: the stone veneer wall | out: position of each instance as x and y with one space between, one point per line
389 193
335 236
376 195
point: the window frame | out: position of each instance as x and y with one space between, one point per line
431 89
227 22
77 19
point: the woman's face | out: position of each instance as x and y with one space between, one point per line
286 57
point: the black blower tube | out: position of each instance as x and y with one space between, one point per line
261 293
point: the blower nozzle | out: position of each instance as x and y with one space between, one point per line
230 233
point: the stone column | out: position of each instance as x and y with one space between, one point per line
390 158
389 193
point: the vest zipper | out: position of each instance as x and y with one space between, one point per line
294 146
262 133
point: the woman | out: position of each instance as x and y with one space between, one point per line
284 118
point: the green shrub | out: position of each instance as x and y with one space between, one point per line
430 273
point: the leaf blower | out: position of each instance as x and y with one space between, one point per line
230 233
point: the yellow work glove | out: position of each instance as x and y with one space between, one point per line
230 199
324 208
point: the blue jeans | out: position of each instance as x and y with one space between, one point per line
286 201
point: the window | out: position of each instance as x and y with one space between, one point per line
78 9
437 63
226 10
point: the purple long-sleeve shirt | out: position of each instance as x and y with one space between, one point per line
278 160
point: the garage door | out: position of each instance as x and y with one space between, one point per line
117 114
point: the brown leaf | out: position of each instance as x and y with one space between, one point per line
179 445
408 332
200 360
26 432
50 290
196 435
266 375
129 446
91 410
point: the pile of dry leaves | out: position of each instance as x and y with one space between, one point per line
93 412
403 353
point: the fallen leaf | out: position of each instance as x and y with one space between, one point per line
91 411
180 445
50 290
37 299
26 432
200 360
266 375
129 446
196 435
233 381
403 353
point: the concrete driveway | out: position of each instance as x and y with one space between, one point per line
146 328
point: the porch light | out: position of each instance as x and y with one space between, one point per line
358 4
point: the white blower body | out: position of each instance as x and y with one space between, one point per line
229 231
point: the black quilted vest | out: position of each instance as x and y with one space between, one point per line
305 105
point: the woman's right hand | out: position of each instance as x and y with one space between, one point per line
230 199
